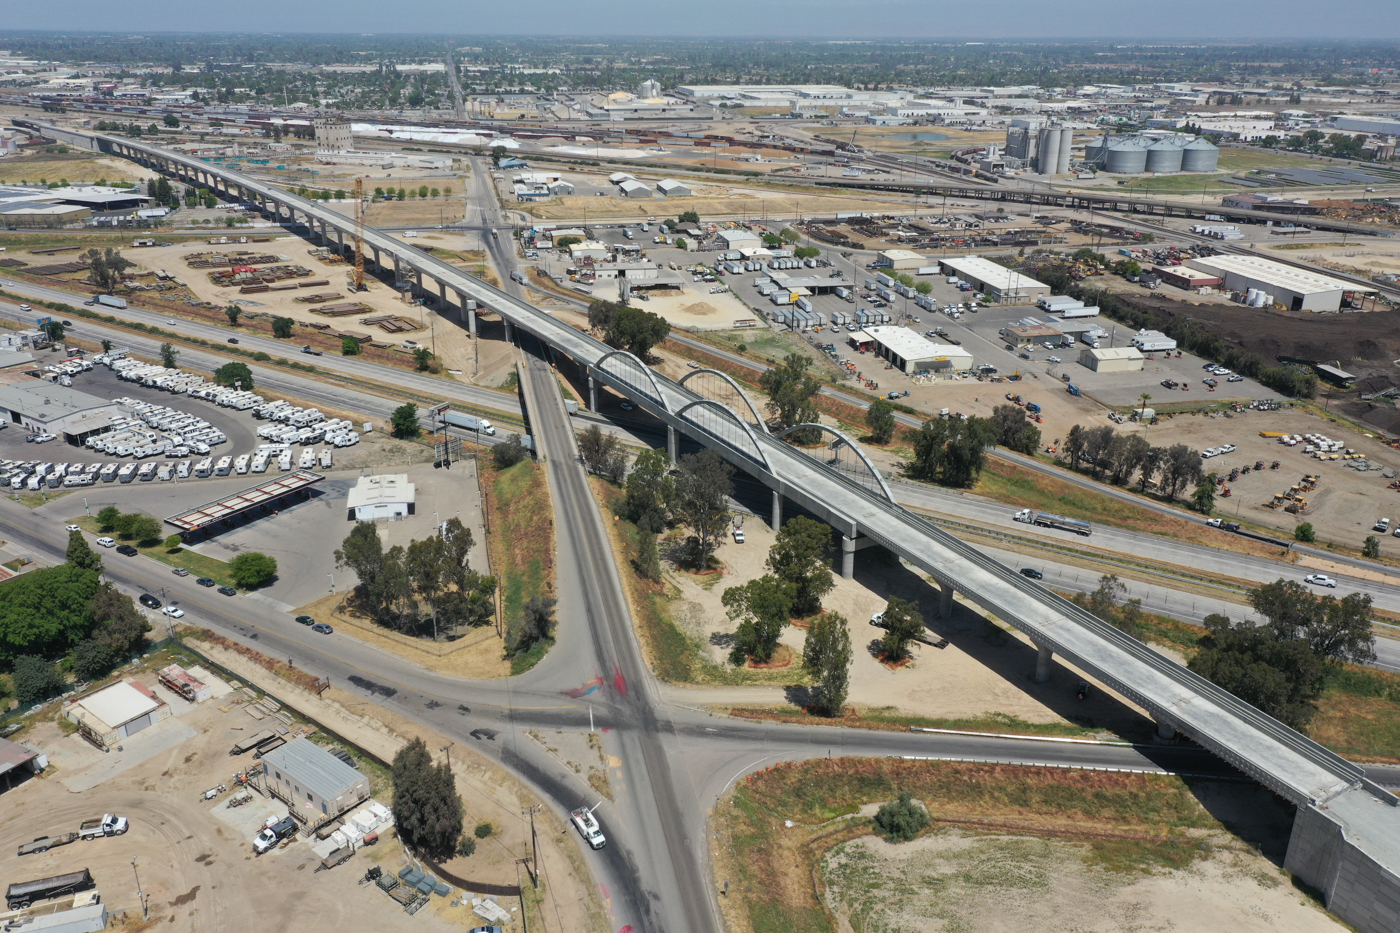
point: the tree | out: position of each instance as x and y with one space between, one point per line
798 558
108 516
689 217
879 418
235 374
1304 532
827 657
80 555
903 624
251 569
648 562
1148 466
171 120
601 314
1371 548
901 820
1203 496
792 391
1144 398
117 624
567 241
508 453
681 244
763 608
651 492
951 452
53 330
404 421
422 191
1125 455
92 660
702 501
282 326
424 358
1014 429
233 313
107 346
535 624
637 331
105 267
1335 630
806 252
362 552
427 808
143 529
349 346
1096 444
173 541
603 453
36 679
400 194
1180 466
497 154
1282 678
427 562
45 612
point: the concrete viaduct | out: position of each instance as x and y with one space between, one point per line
1346 837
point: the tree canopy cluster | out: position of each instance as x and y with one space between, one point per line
951 451
1105 452
602 453
105 267
628 328
792 394
423 589
427 807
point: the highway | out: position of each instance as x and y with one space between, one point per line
658 848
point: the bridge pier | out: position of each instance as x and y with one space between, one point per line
1165 730
777 520
945 600
848 557
672 445
1042 664
510 333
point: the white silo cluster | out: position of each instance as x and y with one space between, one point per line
1256 298
1154 152
1053 150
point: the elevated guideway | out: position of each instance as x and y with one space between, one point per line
1347 839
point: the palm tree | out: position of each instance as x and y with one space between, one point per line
1145 397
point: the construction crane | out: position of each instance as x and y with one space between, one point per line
358 282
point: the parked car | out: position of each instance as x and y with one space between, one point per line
205 581
306 620
322 628
175 612
127 550
107 542
180 572
71 528
1227 448
228 591
1235 378
149 601
1318 579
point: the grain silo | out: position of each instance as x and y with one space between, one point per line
1095 151
1127 155
1066 141
1048 151
1199 155
1165 154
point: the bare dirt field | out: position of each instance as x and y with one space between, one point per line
946 880
76 166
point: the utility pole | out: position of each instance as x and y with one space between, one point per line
534 843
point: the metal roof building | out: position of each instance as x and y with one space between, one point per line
910 353
116 712
1113 360
380 497
995 279
315 783
1295 289
673 189
61 411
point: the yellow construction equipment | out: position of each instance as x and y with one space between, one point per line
1272 434
358 283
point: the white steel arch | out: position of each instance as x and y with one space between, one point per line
845 439
757 416
659 397
726 411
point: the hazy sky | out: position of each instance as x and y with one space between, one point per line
1141 20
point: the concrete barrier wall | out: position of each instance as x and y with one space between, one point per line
1354 886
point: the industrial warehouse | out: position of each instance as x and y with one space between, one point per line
995 279
909 353
57 410
1268 283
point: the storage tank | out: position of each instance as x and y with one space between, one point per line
1165 155
1094 151
1049 151
1066 141
1127 155
1199 155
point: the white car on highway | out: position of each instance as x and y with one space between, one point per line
1318 579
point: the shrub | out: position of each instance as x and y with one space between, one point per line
466 847
36 679
901 820
483 830
251 569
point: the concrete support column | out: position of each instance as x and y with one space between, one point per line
1165 730
1042 664
510 333
672 444
471 316
777 521
945 600
848 557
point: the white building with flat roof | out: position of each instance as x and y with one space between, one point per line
1295 289
995 279
116 712
379 498
909 353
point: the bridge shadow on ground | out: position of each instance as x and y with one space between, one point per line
1008 655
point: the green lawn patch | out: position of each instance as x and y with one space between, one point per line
522 544
197 564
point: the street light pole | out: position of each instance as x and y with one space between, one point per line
145 913
332 576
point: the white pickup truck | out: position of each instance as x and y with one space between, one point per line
587 825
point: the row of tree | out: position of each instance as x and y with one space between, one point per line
427 588
1106 453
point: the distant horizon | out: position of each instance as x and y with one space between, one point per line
1229 22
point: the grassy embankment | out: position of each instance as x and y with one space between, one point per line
522 544
1130 822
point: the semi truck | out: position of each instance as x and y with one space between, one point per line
1081 311
105 825
23 893
45 843
1051 520
470 422
111 301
